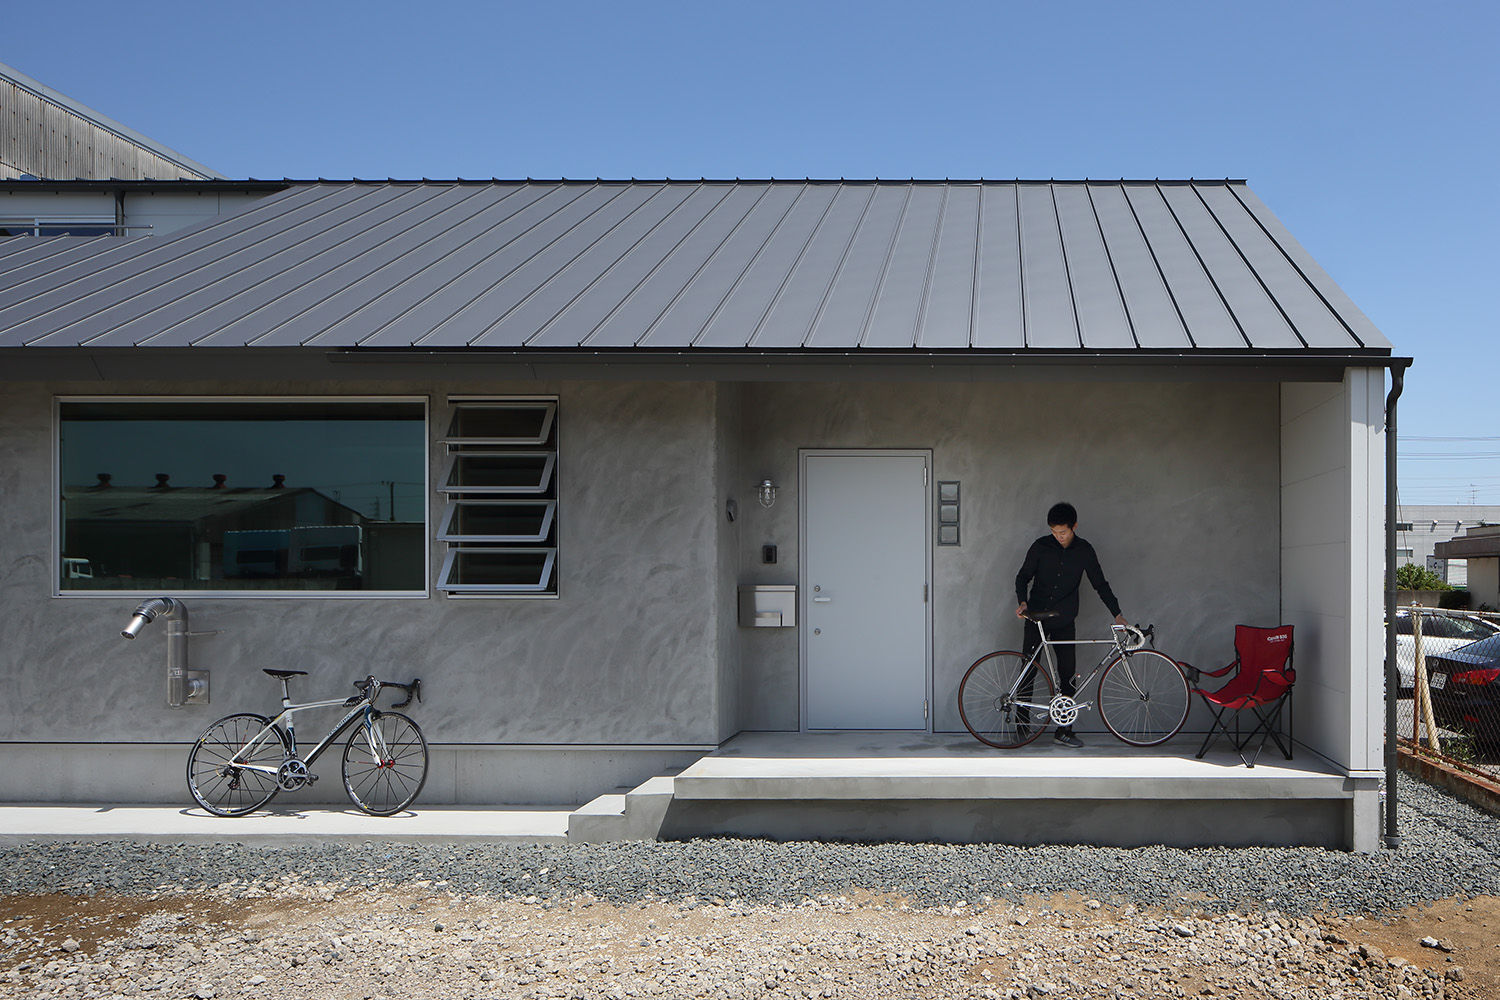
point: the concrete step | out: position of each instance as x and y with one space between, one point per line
635 815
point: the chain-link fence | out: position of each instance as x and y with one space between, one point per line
1449 702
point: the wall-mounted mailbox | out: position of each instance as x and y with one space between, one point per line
768 606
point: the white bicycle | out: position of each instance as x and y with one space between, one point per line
243 760
1007 699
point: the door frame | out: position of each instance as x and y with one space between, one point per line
803 454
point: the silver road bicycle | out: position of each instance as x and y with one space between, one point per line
1007 699
243 760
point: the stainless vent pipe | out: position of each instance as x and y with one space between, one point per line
184 685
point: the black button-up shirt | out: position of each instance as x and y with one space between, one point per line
1054 574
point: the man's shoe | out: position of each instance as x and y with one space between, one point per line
1067 739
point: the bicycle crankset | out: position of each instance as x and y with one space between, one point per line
293 774
1064 710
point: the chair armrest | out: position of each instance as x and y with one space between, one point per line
1217 673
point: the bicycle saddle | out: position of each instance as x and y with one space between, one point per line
1042 616
284 673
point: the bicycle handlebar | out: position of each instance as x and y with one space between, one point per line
413 690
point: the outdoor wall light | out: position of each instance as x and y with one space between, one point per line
766 493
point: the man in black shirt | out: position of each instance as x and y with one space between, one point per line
1054 568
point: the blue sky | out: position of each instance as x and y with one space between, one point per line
1369 128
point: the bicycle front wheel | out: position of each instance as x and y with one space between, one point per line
1003 701
385 764
219 766
1144 698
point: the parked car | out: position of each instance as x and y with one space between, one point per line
1440 634
1465 685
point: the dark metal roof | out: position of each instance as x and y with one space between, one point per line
754 266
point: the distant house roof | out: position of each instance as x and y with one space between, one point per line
184 504
1012 267
49 135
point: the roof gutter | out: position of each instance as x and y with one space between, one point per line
1392 677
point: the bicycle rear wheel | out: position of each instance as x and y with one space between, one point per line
1144 698
385 764
214 772
1003 702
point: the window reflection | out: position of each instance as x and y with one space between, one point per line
268 496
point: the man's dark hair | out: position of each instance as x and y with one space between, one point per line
1062 513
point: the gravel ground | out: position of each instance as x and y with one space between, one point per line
758 919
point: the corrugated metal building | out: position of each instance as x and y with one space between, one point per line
47 135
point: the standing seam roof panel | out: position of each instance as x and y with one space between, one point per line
1310 317
1153 314
620 285
277 280
1048 297
1364 332
93 269
718 264
753 292
461 271
948 315
1204 315
999 319
560 294
1102 320
180 266
335 317
635 208
903 286
628 324
802 294
689 315
1262 323
425 323
285 322
392 292
846 311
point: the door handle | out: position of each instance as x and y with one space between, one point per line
822 600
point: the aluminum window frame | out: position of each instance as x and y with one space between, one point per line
450 514
538 589
547 587
450 469
55 543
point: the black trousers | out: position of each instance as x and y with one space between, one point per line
1067 660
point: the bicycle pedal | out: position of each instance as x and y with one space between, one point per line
312 779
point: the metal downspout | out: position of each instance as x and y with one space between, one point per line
1392 677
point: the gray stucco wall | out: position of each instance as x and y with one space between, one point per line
628 654
1176 486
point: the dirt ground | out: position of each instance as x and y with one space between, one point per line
450 944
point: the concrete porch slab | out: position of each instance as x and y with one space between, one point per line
919 787
936 766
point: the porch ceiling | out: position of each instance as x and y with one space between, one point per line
993 270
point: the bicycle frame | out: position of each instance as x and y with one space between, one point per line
1117 640
365 707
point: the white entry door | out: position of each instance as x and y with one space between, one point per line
864 590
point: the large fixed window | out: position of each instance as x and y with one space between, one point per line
500 481
243 495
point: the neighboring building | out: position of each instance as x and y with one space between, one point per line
1479 548
589 380
1420 527
49 136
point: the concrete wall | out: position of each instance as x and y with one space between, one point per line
627 656
1176 486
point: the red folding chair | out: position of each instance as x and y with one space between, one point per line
1262 686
